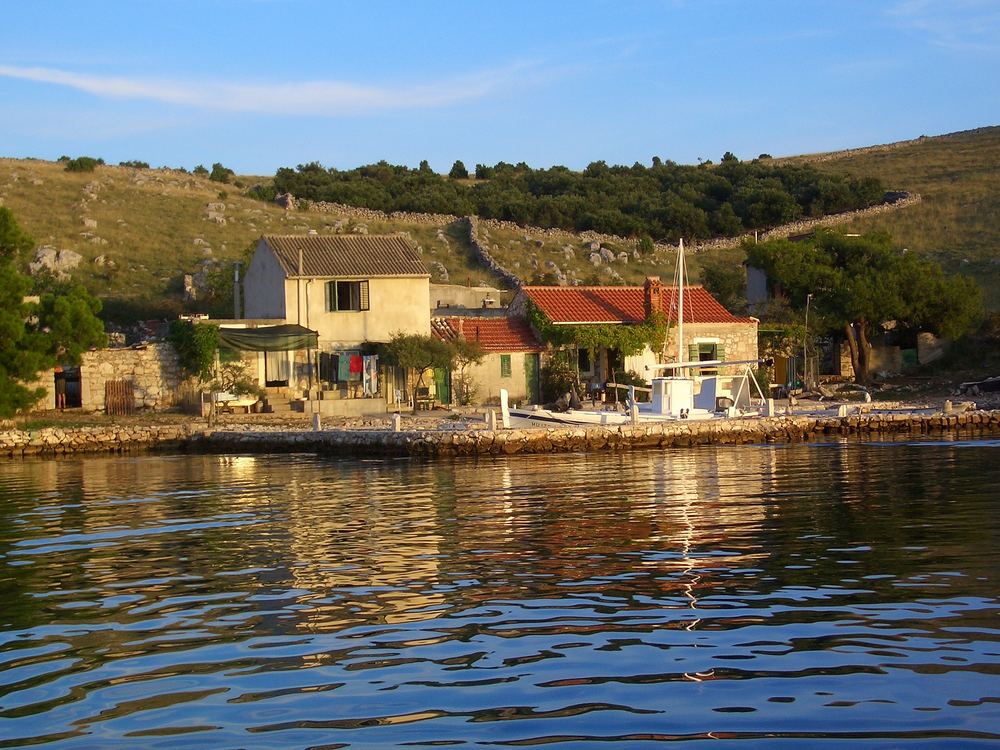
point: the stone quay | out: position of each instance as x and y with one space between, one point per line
445 439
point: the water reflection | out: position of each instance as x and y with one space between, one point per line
292 601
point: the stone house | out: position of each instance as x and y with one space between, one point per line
710 331
512 359
141 377
352 291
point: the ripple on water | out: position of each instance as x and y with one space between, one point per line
753 593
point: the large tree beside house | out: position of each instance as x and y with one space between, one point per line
57 325
855 283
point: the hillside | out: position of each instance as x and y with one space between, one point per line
958 220
139 231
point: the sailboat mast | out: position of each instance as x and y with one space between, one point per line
680 298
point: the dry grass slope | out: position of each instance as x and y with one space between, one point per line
157 225
958 221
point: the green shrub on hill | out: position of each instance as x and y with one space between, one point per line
83 164
665 201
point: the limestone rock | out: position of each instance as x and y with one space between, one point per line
59 262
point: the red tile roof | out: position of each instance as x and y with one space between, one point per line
493 334
346 255
624 304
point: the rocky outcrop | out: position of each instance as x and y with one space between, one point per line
51 260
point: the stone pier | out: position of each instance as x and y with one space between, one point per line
446 440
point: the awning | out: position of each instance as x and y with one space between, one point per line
270 339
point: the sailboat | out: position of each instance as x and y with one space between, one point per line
679 395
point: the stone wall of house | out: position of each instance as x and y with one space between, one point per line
153 370
739 339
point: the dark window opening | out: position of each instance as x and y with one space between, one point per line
346 295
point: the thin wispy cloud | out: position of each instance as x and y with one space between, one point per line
325 98
962 25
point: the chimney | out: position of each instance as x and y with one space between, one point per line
458 325
652 296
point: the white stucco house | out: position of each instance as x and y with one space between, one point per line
352 291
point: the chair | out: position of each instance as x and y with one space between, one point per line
424 400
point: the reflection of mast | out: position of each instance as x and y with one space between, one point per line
691 578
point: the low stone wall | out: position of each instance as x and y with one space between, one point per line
443 443
447 440
110 439
482 254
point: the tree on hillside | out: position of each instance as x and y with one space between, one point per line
220 173
726 282
36 335
857 283
82 164
458 171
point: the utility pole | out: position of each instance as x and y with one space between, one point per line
805 351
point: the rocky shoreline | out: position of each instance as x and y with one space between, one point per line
444 438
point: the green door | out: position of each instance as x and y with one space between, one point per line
442 385
531 378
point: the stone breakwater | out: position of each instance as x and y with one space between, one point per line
472 440
478 442
108 439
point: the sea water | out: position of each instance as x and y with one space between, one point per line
840 593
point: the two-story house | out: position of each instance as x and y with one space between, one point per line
352 290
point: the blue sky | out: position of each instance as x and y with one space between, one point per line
258 84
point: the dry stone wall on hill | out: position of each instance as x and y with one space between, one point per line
595 239
368 214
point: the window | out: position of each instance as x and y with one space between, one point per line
504 365
584 363
346 295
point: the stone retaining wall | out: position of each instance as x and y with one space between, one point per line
443 443
110 439
449 441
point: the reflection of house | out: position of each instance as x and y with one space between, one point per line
352 290
511 361
710 331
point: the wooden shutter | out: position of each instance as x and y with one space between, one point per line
331 296
363 294
692 353
720 351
